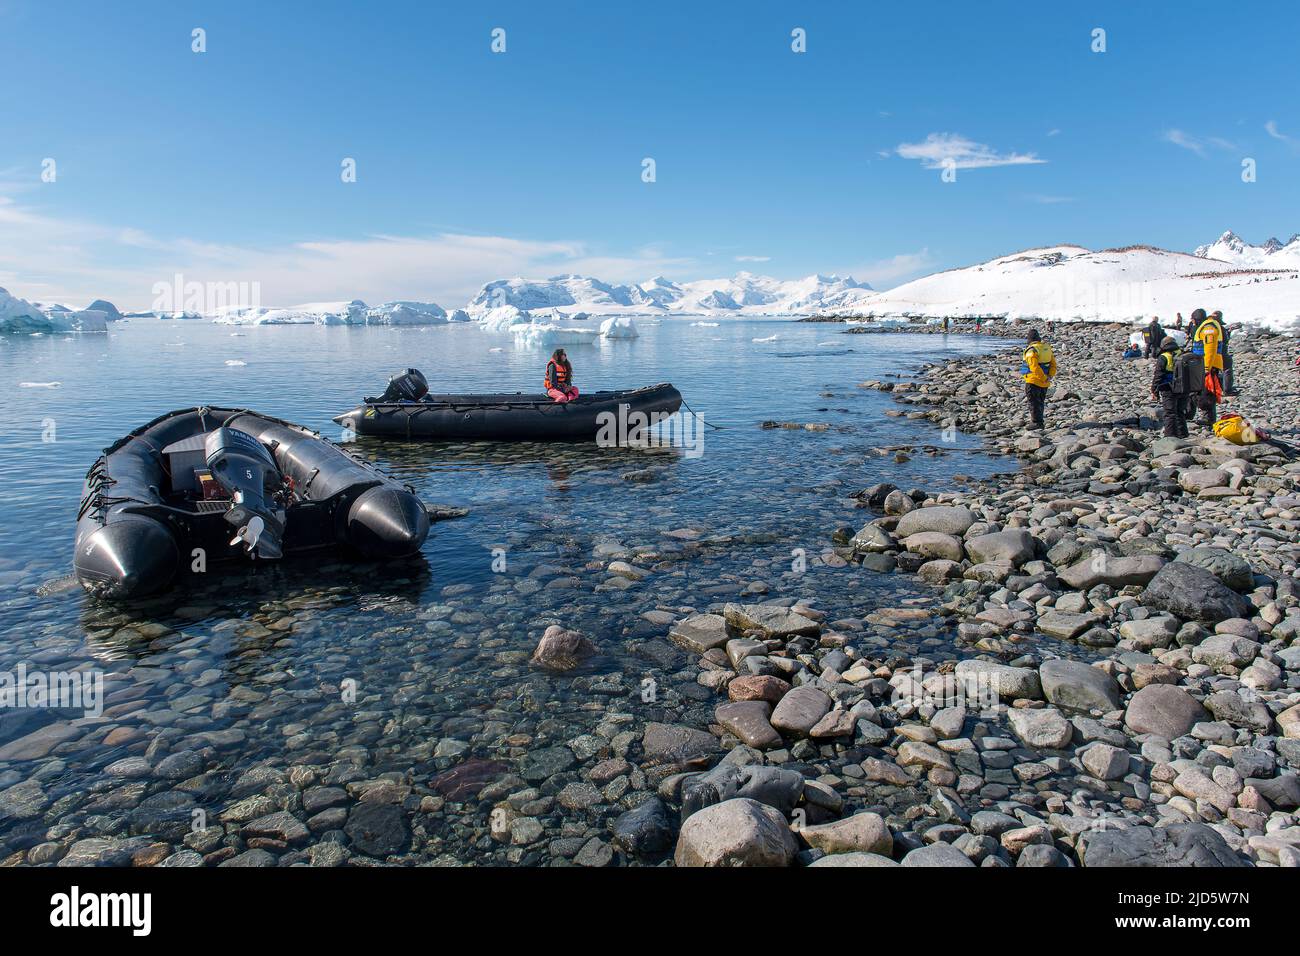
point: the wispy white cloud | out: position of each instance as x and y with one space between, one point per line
1053 132
941 149
1272 129
1196 144
753 258
48 258
1043 199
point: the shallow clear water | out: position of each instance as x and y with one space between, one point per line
438 645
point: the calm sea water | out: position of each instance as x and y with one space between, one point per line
438 644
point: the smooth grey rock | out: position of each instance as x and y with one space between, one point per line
800 710
738 832
945 519
1164 710
1180 845
1194 594
1078 686
1014 546
1232 569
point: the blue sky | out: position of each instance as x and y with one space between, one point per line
472 165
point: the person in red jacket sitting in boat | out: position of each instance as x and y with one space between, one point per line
559 378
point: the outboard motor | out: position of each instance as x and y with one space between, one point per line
409 385
244 468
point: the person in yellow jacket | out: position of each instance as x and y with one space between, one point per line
1037 368
1208 342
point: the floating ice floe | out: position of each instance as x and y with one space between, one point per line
770 338
40 384
706 325
235 362
531 335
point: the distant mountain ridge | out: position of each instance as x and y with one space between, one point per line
741 294
1273 254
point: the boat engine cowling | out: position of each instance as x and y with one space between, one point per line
247 471
408 385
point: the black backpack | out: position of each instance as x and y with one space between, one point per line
1189 374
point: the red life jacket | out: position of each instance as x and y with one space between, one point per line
560 375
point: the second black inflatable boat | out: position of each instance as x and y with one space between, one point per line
407 411
201 485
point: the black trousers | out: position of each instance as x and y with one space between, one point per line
1171 410
1037 396
1208 403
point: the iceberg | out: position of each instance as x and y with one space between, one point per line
619 327
407 313
20 317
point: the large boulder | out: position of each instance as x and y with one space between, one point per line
1232 569
946 519
738 832
1164 710
934 544
1194 594
1180 845
1014 546
1118 572
1075 685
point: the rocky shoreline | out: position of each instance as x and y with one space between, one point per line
1054 694
1174 563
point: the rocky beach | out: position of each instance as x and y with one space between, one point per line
1172 736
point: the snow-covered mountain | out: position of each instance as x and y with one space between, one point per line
1071 283
742 294
1273 254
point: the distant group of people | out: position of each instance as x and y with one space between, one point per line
1185 378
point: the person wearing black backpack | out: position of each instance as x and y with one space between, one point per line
1167 388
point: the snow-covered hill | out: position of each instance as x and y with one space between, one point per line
744 294
1273 254
1071 283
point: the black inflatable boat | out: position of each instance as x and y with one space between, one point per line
406 410
202 485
